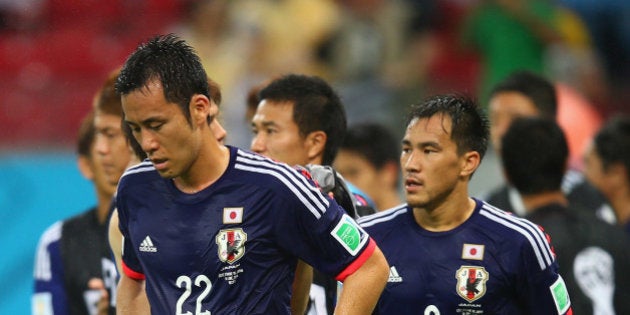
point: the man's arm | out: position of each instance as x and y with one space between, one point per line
362 289
131 297
301 288
115 239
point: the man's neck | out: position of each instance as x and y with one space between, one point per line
206 170
535 201
446 216
621 205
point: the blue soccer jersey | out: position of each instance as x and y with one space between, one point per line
232 247
494 263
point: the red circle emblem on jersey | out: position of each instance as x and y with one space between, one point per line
473 251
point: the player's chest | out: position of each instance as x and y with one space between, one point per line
452 275
204 236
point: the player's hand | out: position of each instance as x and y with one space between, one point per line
102 306
330 182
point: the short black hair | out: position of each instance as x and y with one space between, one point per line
470 126
612 142
538 89
171 61
316 106
373 141
534 155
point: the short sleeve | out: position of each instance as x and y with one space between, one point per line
130 264
322 234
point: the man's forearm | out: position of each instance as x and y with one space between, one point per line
131 298
362 289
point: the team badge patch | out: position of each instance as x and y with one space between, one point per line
471 282
349 234
232 215
231 244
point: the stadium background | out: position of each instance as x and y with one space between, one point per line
54 54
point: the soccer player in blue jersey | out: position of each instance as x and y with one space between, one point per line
300 120
450 253
210 228
73 262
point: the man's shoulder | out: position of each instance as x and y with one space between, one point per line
254 169
139 173
511 232
385 219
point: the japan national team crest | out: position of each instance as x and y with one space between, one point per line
231 244
471 282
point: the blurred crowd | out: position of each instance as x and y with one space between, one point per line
381 55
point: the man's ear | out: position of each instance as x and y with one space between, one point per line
85 167
315 143
200 109
469 163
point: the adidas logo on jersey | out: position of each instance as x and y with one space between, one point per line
393 275
147 245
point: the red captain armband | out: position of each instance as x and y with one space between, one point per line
132 274
357 263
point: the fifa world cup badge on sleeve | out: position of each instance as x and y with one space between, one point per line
350 235
560 295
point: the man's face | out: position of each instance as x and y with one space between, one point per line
99 174
430 163
162 130
276 135
504 108
358 170
594 170
217 129
110 145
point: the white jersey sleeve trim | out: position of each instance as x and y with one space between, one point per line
382 216
43 269
529 230
305 192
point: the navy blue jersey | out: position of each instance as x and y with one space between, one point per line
232 247
69 254
493 263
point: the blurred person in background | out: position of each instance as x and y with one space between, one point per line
593 256
368 58
525 94
300 121
607 166
509 35
368 158
72 253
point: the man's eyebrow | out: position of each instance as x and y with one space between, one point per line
268 123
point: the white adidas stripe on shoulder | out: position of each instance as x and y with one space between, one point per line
382 216
301 188
43 269
144 166
287 169
529 230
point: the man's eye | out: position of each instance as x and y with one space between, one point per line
155 126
